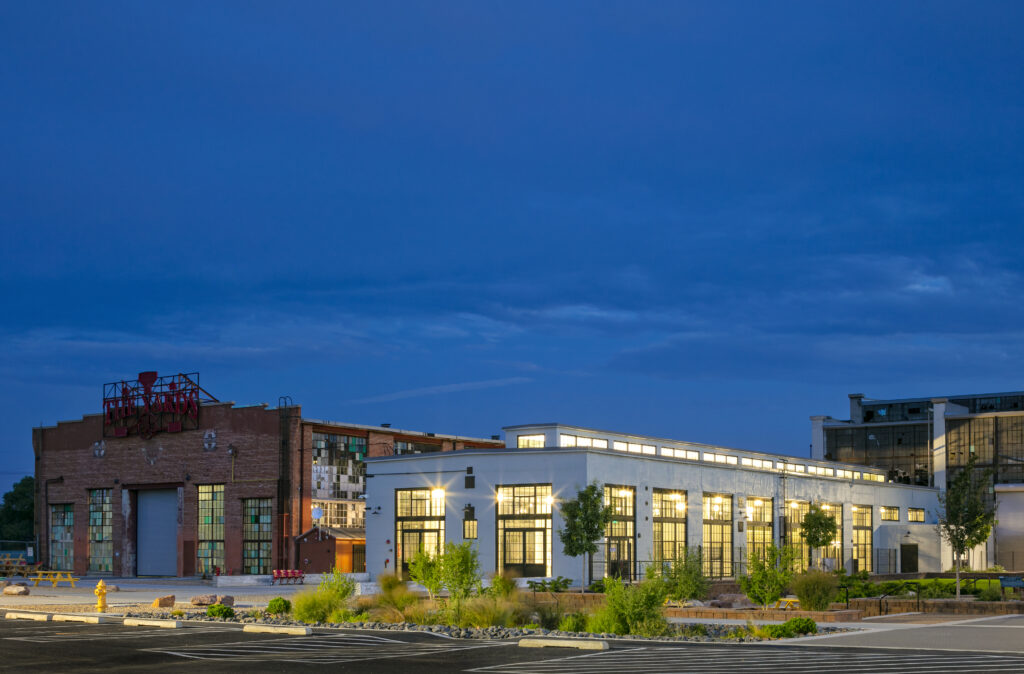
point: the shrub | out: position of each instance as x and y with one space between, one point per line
768 576
279 605
935 590
597 586
337 583
803 625
503 585
815 589
425 569
628 608
220 611
557 584
460 570
685 577
990 593
651 626
315 606
547 614
177 613
573 622
421 613
394 596
695 630
343 615
490 611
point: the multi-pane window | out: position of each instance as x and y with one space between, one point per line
338 468
256 535
834 550
210 550
524 529
668 514
889 513
796 511
717 550
402 447
862 537
341 514
581 441
915 514
62 537
419 524
529 441
101 532
759 526
620 542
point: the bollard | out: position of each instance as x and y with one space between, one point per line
101 596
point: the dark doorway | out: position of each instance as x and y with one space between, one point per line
619 557
908 558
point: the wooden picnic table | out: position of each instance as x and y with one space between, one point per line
54 577
17 568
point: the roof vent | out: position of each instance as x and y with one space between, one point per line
495 437
385 425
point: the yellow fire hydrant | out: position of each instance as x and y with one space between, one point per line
101 596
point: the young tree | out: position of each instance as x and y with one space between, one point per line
425 569
768 576
17 511
585 519
964 519
460 570
818 528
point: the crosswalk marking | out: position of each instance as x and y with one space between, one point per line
111 632
732 659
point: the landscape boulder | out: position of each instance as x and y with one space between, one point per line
734 601
225 600
16 590
113 588
203 599
166 601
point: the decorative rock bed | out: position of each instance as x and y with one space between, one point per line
715 632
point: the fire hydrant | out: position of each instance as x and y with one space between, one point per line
101 596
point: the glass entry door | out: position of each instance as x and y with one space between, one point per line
525 552
619 557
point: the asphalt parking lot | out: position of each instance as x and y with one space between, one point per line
73 647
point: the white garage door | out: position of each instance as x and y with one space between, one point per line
157 534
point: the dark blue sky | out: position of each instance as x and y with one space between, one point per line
702 221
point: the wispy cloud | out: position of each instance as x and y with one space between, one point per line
444 388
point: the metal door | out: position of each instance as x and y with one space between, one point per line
619 557
525 552
157 533
908 558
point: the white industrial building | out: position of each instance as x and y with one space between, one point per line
666 496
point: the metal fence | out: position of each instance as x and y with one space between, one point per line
19 549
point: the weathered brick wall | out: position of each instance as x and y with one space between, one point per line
77 452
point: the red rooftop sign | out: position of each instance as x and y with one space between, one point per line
151 404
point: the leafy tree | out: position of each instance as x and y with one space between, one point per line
964 519
425 569
818 528
17 511
685 578
460 570
585 518
768 576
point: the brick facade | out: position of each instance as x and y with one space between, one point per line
255 452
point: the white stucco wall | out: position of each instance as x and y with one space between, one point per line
568 470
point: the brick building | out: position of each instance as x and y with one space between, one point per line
169 481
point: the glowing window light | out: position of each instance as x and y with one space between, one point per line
437 494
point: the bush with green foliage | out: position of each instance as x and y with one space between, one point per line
630 609
547 614
220 611
314 606
488 610
684 578
393 599
815 589
768 575
557 584
425 569
503 585
279 605
791 628
573 622
936 590
597 586
344 615
337 583
695 630
990 593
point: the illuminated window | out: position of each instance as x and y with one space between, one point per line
564 440
529 441
796 511
101 532
889 513
620 534
915 514
759 526
600 444
620 446
524 529
668 514
862 537
419 524
717 548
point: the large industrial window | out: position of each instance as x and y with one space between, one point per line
256 535
915 514
210 551
796 511
759 526
62 537
717 550
889 513
668 513
419 524
101 532
620 545
529 441
832 555
524 529
338 467
862 535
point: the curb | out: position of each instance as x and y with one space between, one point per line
91 619
581 644
278 629
139 622
41 617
